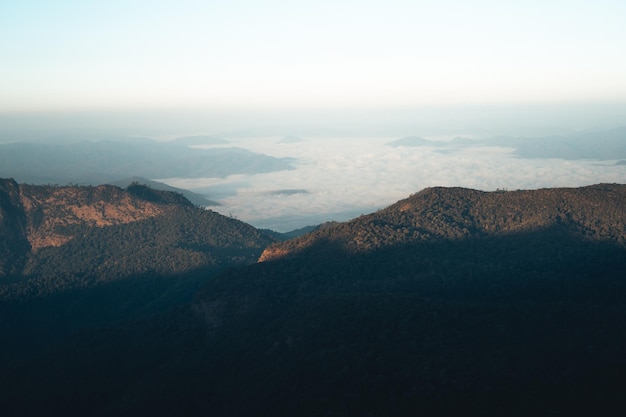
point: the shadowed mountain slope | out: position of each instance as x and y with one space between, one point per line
74 256
451 302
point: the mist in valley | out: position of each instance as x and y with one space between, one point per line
101 93
284 171
338 179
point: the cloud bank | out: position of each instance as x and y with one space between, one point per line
339 179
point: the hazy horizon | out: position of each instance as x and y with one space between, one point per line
345 76
342 179
450 121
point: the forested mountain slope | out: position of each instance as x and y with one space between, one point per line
596 212
76 256
451 302
106 232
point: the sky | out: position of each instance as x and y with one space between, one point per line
364 71
131 55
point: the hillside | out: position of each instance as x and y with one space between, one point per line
450 302
195 198
75 256
596 213
39 220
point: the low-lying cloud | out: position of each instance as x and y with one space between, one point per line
343 178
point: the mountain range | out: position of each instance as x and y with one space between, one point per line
451 301
93 162
597 144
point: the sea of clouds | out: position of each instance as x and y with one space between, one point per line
339 179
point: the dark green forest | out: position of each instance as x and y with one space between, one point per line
106 274
451 302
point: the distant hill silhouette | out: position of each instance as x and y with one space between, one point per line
201 140
195 198
590 144
98 162
412 141
290 139
598 144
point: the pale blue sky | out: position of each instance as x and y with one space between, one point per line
139 54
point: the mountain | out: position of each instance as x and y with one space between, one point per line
103 233
450 302
609 144
101 161
296 232
437 214
290 139
412 141
200 140
77 256
195 198
589 144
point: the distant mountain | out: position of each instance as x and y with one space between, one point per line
98 162
412 141
297 232
290 139
201 140
415 141
589 144
593 144
289 191
195 198
450 302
